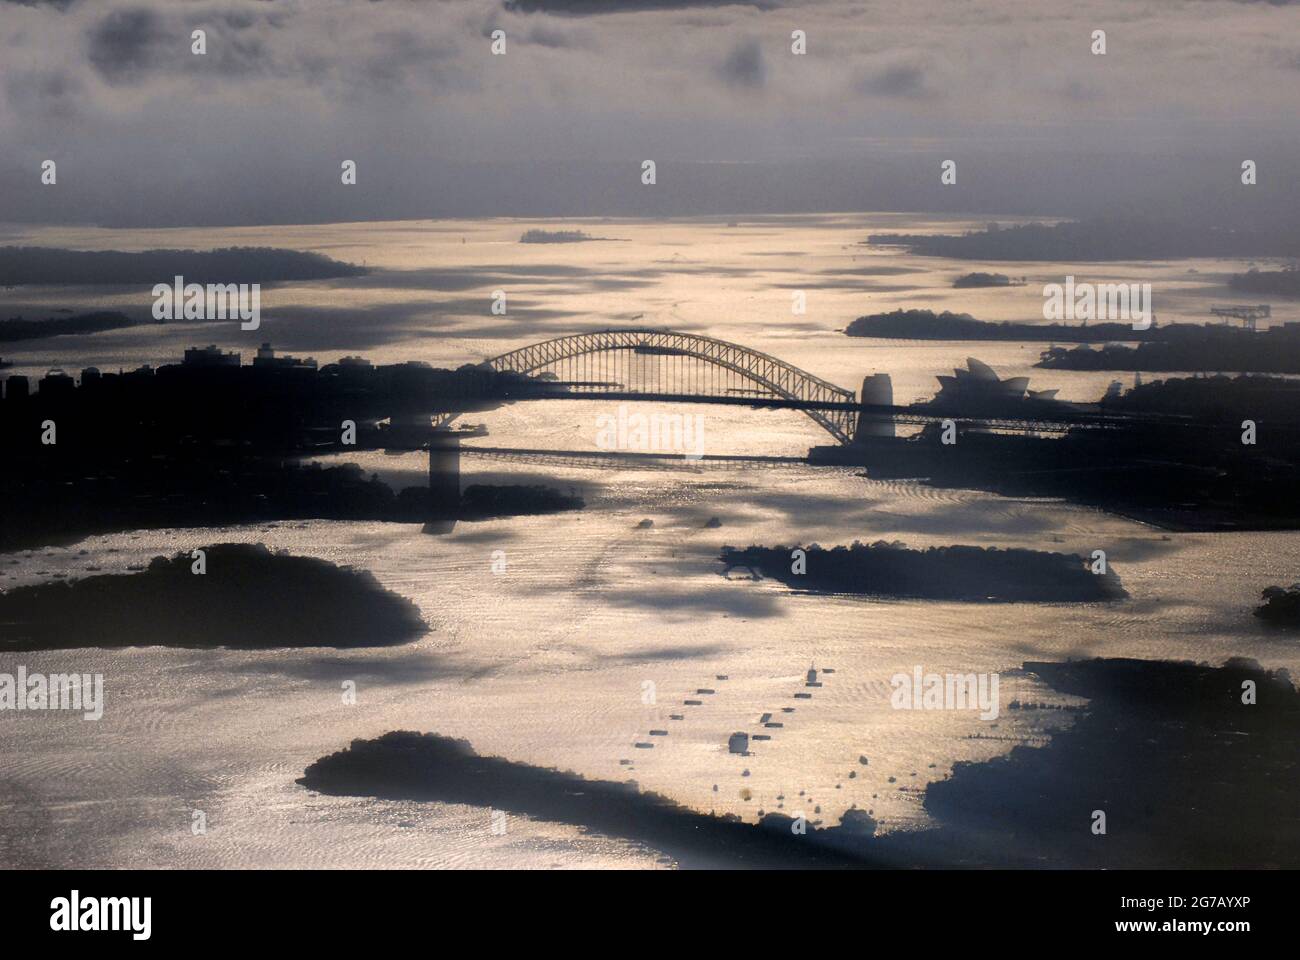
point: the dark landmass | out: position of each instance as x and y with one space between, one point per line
1185 346
60 506
16 328
1175 478
1284 283
248 598
1281 606
935 573
1173 347
51 266
928 325
403 765
1101 239
1186 774
1215 400
276 404
485 502
210 442
1169 453
63 503
1167 750
555 236
978 279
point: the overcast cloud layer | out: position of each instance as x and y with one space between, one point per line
145 132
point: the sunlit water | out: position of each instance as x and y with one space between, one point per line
550 660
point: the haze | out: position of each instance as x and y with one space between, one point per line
145 133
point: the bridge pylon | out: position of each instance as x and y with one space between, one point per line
444 482
878 391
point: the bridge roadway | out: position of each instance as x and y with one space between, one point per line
653 461
1040 419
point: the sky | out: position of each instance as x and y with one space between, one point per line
145 132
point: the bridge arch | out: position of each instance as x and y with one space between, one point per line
765 375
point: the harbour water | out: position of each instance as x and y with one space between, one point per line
562 640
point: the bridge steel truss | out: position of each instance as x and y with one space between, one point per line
774 378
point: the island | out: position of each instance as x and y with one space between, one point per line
245 597
927 325
1281 606
967 573
979 279
555 236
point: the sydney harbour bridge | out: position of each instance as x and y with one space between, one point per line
648 364
666 365
643 364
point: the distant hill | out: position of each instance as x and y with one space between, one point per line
1281 282
1103 239
53 266
16 328
1187 346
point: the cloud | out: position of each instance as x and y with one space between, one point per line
439 126
744 66
55 92
545 36
597 7
903 80
125 43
